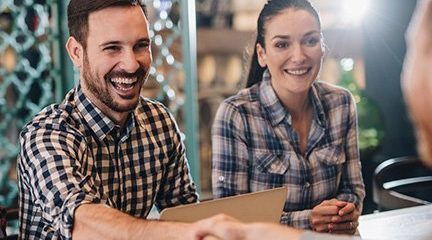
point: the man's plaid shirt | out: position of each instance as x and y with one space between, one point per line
256 148
73 154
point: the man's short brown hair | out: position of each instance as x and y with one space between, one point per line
79 10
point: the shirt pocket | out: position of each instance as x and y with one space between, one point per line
331 155
272 162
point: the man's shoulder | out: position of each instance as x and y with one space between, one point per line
152 109
148 103
61 117
155 117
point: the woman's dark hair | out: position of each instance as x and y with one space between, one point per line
273 8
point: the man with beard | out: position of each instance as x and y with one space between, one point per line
92 166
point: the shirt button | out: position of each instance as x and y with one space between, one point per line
221 178
273 167
307 185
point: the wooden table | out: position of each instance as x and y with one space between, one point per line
407 223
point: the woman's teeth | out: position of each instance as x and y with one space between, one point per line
297 72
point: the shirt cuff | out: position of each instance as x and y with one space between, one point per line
297 219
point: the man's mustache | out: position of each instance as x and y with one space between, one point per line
139 74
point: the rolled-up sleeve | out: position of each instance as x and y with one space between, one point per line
297 219
52 179
230 153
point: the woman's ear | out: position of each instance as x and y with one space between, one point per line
75 51
261 54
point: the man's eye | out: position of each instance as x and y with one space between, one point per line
112 48
142 45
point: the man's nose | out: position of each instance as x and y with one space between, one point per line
129 62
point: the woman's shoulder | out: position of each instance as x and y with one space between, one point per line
325 88
332 96
243 97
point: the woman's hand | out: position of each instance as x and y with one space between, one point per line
346 222
322 214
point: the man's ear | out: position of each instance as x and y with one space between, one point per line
75 51
261 54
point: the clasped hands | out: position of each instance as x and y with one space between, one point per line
335 216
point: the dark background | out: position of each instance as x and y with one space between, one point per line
384 50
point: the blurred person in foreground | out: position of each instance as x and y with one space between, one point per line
417 88
417 77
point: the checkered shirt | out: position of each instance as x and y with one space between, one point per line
255 148
72 154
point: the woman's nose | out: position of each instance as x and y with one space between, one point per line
298 55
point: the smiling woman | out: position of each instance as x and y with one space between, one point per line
289 129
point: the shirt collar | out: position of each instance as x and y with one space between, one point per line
97 121
276 111
271 105
319 115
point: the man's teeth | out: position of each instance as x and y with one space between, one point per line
297 72
124 80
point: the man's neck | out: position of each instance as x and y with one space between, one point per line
119 118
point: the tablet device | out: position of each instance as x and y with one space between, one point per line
263 206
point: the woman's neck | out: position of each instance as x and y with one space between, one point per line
297 103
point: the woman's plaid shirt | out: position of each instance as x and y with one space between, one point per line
73 154
256 148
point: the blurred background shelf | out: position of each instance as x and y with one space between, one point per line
222 41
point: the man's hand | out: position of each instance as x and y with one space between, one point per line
227 228
220 226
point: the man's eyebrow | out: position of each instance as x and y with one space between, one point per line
147 40
110 43
144 40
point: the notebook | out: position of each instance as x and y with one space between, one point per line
263 206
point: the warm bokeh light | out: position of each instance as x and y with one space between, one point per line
353 11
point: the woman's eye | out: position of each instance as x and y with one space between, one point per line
281 45
312 41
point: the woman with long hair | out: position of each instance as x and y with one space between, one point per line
286 128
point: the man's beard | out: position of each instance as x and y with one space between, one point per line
102 92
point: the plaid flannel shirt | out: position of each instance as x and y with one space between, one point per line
72 154
255 148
